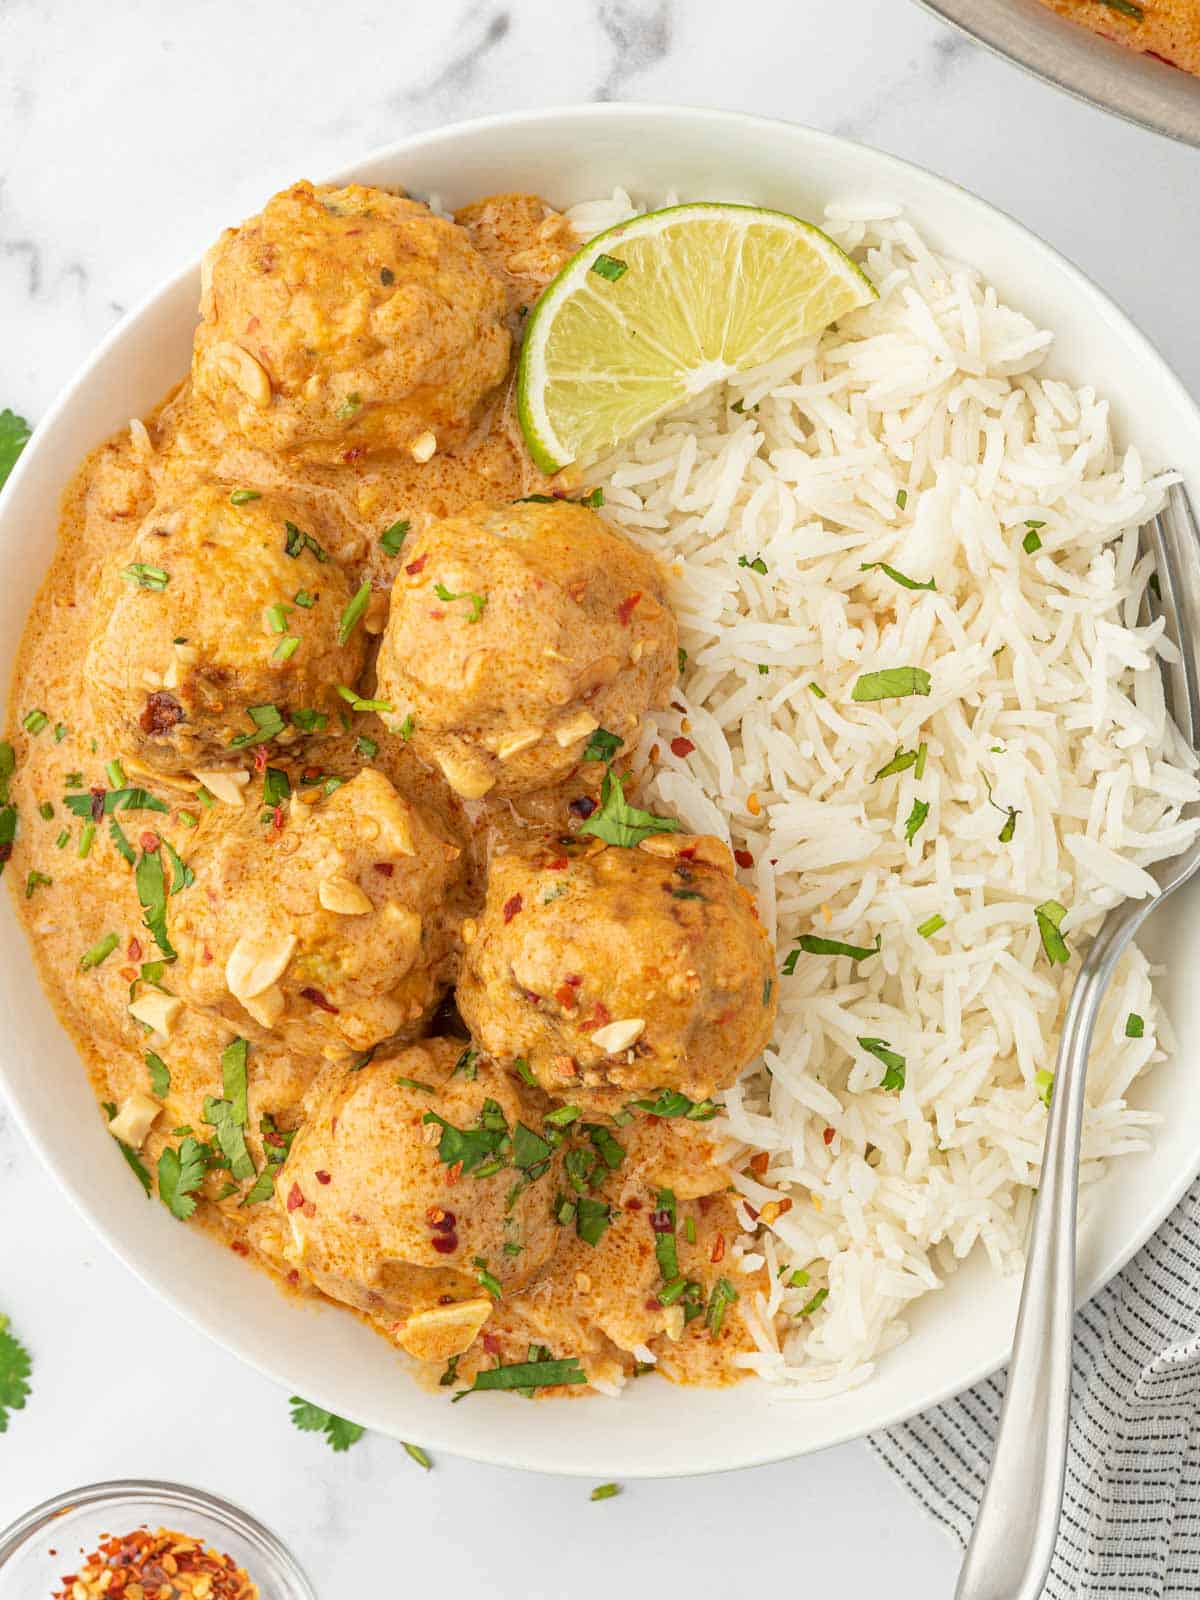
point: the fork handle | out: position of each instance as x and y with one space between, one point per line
1009 1555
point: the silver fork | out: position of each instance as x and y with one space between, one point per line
1010 1551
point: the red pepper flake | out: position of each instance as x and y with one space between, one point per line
744 859
97 807
454 1173
311 774
239 1247
295 1198
134 950
828 1135
491 1344
626 609
149 841
557 864
718 1249
293 1279
386 867
686 853
355 453
565 1066
566 997
600 1014
633 1204
416 566
681 747
152 1564
319 1000
512 906
445 1243
322 1177
760 1163
260 757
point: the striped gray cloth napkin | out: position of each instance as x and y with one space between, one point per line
1131 1515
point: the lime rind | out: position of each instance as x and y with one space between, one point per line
726 288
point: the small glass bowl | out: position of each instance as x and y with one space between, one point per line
73 1524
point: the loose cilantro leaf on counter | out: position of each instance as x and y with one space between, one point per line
15 1362
619 823
339 1434
14 436
180 1174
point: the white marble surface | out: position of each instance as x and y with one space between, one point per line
130 132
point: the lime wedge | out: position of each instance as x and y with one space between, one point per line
655 310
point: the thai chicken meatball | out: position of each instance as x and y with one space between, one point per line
332 926
616 971
515 633
219 629
340 322
403 1196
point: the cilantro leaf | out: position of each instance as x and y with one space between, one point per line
14 436
15 1362
527 1375
892 683
180 1174
894 1077
602 746
1049 916
152 893
1135 1026
619 823
339 1434
471 1146
895 575
160 1074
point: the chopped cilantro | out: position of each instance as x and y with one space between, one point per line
894 1077
146 577
392 538
896 576
892 683
619 823
1135 1027
757 565
1049 917
916 819
160 1074
477 601
602 746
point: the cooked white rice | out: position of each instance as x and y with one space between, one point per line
917 432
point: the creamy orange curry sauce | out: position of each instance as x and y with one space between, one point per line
321 725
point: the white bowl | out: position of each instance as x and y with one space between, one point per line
959 1334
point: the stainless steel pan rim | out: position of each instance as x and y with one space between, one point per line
1140 88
